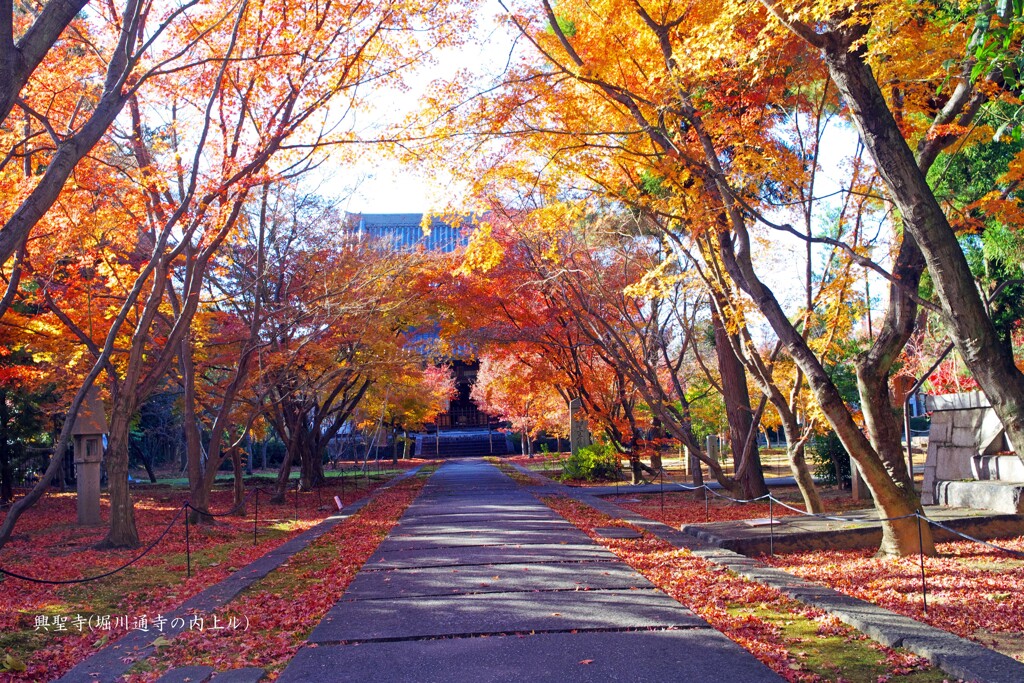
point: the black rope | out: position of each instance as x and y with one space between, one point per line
1010 551
145 552
221 514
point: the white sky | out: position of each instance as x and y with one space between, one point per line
383 185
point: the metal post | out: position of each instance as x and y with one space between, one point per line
256 517
771 526
662 473
920 553
188 543
707 507
296 500
913 390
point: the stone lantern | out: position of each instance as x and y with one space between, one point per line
90 426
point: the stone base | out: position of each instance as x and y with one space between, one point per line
1007 468
997 496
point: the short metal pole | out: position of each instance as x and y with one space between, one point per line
920 553
343 486
771 526
256 517
707 505
296 500
662 473
188 542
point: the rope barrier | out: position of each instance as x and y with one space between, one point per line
223 514
1009 551
105 574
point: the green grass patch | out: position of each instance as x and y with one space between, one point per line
836 652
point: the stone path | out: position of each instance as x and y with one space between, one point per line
480 581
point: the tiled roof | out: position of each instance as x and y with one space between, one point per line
403 231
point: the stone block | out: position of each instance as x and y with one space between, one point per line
966 400
1007 468
982 495
941 429
963 436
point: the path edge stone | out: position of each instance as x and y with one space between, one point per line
956 656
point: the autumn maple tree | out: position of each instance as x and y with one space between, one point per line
679 112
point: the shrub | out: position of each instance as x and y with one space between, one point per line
592 463
830 457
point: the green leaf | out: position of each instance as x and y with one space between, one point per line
13 664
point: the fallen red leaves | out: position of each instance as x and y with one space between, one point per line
973 591
47 544
709 591
688 507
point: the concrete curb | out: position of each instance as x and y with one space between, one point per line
956 656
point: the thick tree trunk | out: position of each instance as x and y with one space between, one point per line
795 449
990 361
122 532
311 468
750 477
283 474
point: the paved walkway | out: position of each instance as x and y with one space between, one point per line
482 582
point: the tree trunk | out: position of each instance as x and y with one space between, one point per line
147 462
696 473
283 474
989 359
737 409
122 532
635 468
311 468
796 451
